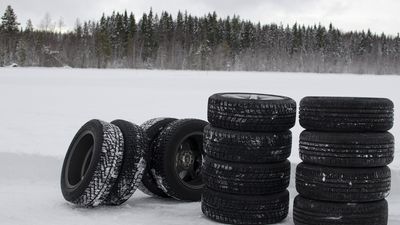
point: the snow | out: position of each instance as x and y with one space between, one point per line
42 109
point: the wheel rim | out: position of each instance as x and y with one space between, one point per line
188 160
79 160
252 96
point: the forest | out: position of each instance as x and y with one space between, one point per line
186 42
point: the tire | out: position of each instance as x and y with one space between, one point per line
247 147
152 129
133 163
92 163
311 212
347 149
177 159
341 114
343 184
251 112
246 179
246 210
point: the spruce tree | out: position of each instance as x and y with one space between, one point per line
9 22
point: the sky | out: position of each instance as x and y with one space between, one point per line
379 16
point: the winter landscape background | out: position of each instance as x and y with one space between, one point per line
101 76
183 41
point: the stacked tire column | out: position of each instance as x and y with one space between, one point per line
346 148
245 169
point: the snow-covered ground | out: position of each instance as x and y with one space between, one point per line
41 109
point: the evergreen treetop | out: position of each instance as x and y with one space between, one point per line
9 22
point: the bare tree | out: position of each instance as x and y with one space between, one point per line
47 23
60 24
29 25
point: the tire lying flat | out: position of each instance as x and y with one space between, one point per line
346 114
92 163
251 112
246 210
311 212
152 129
133 163
246 179
247 147
179 148
343 184
347 149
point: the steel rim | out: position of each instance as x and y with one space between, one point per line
188 160
249 96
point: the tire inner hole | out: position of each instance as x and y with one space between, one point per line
80 160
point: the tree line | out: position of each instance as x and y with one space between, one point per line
164 41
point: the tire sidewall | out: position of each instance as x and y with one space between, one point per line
95 128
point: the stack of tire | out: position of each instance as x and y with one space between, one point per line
245 170
344 178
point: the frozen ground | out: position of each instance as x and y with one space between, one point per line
41 109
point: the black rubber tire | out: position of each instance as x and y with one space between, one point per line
246 179
164 159
311 212
347 149
246 210
247 147
343 184
346 114
92 163
133 163
257 115
152 129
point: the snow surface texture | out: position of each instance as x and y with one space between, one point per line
42 109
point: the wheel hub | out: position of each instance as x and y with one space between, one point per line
186 159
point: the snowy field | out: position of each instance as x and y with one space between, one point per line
41 109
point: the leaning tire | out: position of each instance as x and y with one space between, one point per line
152 129
92 163
247 147
311 212
177 158
246 179
133 164
343 184
246 210
347 149
346 114
251 112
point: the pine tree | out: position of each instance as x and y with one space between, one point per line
179 42
131 45
29 26
149 44
9 22
103 49
9 37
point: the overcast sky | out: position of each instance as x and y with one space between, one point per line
380 16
